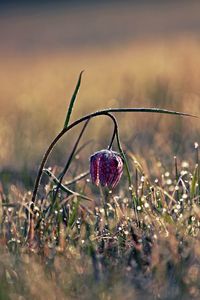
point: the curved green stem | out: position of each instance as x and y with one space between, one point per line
51 146
92 115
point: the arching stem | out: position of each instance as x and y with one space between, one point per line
92 115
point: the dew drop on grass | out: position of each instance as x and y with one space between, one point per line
169 181
185 164
184 172
166 233
159 164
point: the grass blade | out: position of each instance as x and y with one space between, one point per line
63 187
71 104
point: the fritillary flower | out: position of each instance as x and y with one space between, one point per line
106 168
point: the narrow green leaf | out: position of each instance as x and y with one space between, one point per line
74 214
71 104
64 187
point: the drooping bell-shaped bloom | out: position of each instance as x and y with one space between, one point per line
106 168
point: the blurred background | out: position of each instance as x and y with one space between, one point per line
134 53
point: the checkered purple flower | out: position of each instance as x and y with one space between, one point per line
106 168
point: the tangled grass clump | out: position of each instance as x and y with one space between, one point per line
72 240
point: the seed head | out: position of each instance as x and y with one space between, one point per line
106 168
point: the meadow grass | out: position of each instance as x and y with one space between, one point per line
83 249
139 241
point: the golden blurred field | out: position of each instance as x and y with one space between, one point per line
148 69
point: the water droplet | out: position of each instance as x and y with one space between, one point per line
185 164
169 181
159 164
184 172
